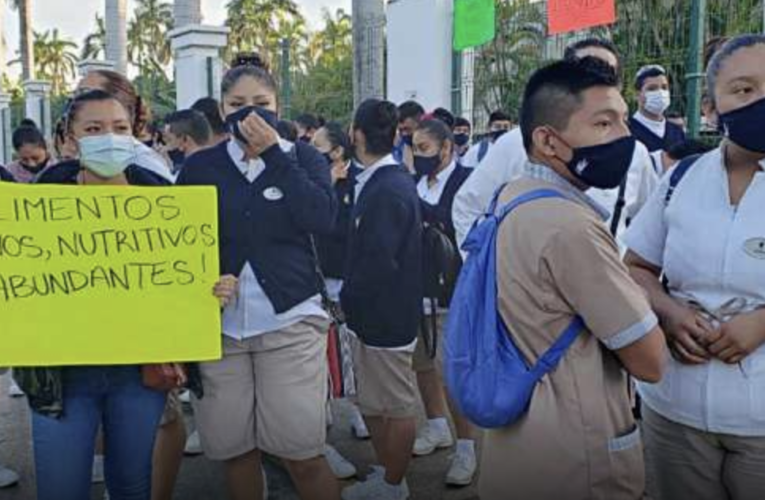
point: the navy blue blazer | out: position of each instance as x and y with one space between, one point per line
268 222
5 175
333 248
67 172
382 294
674 134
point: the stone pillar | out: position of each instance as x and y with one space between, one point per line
115 20
369 49
186 12
198 64
37 99
86 66
6 153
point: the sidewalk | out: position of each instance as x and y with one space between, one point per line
203 480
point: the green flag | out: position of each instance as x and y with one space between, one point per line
473 23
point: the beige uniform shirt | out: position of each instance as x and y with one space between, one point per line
578 441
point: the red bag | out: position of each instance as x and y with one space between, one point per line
334 359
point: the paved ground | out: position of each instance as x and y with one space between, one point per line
203 480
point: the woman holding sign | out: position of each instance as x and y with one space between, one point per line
70 404
268 393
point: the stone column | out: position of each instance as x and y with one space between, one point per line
115 20
86 66
198 64
5 129
37 99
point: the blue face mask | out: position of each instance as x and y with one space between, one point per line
426 165
461 139
232 120
496 134
603 166
744 126
107 155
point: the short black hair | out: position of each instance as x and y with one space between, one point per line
591 42
436 129
190 123
553 93
27 136
287 130
462 122
338 138
308 121
93 96
378 121
499 116
410 109
687 148
646 72
445 116
28 122
210 107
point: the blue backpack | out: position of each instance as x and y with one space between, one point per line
485 373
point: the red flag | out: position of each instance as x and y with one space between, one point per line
572 15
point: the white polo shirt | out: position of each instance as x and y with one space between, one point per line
711 252
506 161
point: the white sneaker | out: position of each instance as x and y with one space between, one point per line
97 474
8 478
375 488
358 426
462 469
430 440
185 397
341 468
14 390
193 445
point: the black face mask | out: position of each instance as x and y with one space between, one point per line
35 168
328 157
461 139
426 165
305 139
745 126
603 166
496 134
232 120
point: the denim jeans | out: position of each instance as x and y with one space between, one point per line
111 398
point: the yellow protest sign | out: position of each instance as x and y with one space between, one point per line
107 275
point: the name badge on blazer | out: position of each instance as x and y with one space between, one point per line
273 194
755 247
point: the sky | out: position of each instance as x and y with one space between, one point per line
75 24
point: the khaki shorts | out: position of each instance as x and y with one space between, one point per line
422 361
267 393
384 382
173 409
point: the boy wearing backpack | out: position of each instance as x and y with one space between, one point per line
558 270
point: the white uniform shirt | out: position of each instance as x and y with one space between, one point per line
432 194
506 162
252 313
470 159
149 159
711 252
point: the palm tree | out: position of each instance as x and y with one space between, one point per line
148 44
94 45
26 39
56 60
260 25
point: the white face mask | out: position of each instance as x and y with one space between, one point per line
106 155
657 101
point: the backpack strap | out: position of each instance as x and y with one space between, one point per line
534 195
677 175
550 359
483 148
621 202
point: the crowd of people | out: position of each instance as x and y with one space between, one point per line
610 225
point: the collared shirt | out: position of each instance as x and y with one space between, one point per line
659 129
711 252
363 177
507 160
470 158
431 194
252 313
547 174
